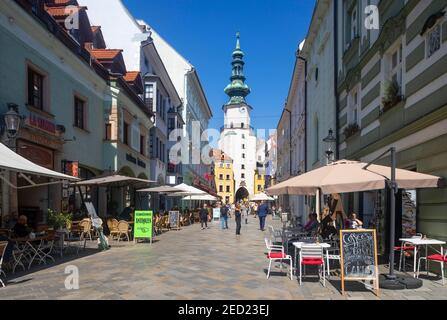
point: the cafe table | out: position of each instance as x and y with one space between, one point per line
299 244
33 247
416 242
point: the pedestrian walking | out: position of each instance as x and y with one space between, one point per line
224 217
204 216
244 212
262 214
238 219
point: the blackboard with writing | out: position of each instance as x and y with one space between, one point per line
358 255
174 219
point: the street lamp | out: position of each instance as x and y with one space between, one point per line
12 121
330 140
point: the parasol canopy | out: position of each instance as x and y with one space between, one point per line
351 176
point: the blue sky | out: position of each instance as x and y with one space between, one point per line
203 31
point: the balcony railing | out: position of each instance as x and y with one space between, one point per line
229 127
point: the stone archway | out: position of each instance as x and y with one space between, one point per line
241 194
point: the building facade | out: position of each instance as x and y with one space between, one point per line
196 114
238 138
159 93
296 103
61 80
318 51
223 176
284 167
392 91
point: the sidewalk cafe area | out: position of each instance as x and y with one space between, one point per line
336 243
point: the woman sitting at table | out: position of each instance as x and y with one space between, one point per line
21 229
353 222
312 224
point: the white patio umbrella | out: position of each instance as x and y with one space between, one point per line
261 197
206 197
161 189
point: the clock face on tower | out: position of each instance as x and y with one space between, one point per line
242 109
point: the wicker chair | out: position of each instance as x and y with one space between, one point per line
85 228
124 229
112 224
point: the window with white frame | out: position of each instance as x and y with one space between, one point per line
395 65
433 40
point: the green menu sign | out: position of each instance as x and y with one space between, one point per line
143 225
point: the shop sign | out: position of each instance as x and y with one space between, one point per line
38 155
216 213
358 257
43 124
71 168
143 225
174 220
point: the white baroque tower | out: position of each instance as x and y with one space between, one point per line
238 139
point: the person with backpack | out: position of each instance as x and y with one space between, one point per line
224 217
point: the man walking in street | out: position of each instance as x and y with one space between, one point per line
262 214
204 216
224 217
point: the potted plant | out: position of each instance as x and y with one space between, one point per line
58 220
391 95
351 130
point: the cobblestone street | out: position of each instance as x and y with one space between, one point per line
190 264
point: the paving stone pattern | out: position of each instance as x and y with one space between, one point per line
191 264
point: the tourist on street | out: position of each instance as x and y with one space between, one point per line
21 229
204 216
262 214
244 212
353 222
224 217
238 219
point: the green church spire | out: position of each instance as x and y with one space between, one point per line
237 90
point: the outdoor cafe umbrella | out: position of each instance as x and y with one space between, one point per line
261 197
161 189
206 197
346 176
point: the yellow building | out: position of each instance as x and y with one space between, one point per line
259 183
223 175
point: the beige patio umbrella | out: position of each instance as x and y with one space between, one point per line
351 176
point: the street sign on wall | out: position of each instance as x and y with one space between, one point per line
143 225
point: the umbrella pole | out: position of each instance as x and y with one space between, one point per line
393 191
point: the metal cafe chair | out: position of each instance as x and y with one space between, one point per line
3 246
312 254
276 253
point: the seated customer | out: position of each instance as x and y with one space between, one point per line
127 213
353 222
312 224
21 229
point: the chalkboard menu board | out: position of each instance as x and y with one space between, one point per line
358 256
174 219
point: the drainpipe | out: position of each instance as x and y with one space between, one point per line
305 111
290 141
337 104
